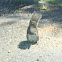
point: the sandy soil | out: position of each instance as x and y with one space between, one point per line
13 42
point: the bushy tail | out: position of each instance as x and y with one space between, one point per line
36 16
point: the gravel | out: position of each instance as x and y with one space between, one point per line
13 42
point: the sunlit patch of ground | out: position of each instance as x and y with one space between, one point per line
50 35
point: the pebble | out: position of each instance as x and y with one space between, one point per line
9 51
37 60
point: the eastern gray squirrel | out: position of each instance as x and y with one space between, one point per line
32 31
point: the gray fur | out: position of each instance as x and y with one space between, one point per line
32 32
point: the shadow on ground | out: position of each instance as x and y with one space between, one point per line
7 23
9 7
51 17
25 45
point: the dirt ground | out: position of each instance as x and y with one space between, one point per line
13 42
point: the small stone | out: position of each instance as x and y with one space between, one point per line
9 51
37 59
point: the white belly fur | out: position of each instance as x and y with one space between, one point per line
32 38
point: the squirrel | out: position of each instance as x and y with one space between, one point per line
32 31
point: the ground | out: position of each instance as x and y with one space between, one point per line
13 42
